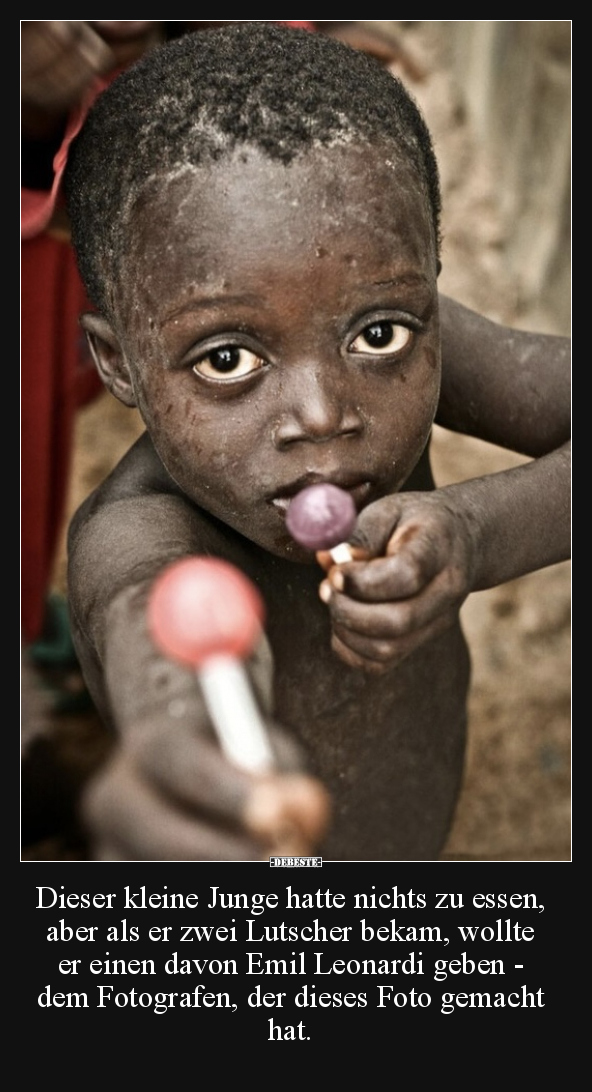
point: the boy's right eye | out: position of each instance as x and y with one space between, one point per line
228 362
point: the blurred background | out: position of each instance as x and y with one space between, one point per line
497 98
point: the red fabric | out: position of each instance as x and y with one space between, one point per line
57 376
37 206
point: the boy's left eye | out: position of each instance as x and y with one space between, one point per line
228 362
381 339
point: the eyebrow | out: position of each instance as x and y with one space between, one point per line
204 303
406 278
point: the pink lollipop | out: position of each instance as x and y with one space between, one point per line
321 517
203 612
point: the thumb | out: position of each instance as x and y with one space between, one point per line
375 526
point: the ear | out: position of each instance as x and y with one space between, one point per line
108 357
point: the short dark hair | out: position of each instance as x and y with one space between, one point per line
195 98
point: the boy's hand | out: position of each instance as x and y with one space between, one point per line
412 571
168 793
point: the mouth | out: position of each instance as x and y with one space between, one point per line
360 489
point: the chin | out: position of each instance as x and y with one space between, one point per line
284 547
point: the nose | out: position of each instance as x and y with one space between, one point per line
317 406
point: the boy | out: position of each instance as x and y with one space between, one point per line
255 212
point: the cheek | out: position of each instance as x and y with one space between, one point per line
407 414
207 448
424 392
168 412
424 385
417 383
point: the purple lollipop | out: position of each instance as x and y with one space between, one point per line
321 517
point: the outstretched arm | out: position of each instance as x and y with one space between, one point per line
509 387
167 792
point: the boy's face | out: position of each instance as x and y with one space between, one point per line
281 328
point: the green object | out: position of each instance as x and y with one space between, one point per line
54 656
54 648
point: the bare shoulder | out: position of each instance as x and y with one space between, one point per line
136 521
139 474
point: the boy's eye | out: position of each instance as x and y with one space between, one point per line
228 362
381 338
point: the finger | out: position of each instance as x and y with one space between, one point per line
194 774
416 560
327 561
376 620
193 771
129 817
396 619
375 525
43 43
383 654
440 598
287 815
291 813
190 770
383 580
353 659
62 61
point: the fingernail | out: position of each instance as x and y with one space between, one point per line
325 591
337 580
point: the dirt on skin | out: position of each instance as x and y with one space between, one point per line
515 801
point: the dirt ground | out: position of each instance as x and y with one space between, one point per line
515 802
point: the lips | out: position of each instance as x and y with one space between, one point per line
360 489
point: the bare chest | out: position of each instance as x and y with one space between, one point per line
390 748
